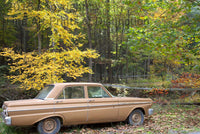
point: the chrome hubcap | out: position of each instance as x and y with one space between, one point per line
49 125
136 118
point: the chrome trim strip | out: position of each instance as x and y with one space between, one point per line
53 108
89 106
120 104
134 103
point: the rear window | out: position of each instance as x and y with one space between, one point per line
44 92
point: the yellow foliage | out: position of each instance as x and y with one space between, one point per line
34 70
167 14
56 15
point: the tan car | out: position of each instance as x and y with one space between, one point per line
74 103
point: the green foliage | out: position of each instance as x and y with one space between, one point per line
3 70
7 31
4 129
167 39
139 37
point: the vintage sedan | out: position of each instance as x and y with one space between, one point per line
74 103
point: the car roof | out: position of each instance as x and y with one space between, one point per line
77 84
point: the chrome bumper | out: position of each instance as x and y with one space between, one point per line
6 119
150 111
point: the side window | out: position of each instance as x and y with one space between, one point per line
96 92
74 92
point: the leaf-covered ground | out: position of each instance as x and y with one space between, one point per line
168 119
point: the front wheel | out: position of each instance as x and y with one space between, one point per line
49 126
136 117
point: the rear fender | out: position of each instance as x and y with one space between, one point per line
50 116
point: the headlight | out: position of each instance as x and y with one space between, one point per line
5 112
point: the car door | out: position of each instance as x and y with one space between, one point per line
72 105
101 106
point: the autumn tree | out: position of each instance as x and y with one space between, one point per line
134 38
34 70
63 57
165 37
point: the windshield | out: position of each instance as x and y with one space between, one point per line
45 91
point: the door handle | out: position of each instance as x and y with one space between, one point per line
91 100
59 101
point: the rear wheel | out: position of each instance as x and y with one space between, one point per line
49 126
136 117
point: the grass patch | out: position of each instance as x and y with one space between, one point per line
4 129
153 82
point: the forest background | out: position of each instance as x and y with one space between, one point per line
149 43
143 48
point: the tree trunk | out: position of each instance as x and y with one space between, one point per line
148 66
4 29
39 34
100 51
24 40
39 42
89 35
39 39
127 53
109 41
24 25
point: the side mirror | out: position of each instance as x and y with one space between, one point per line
119 95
